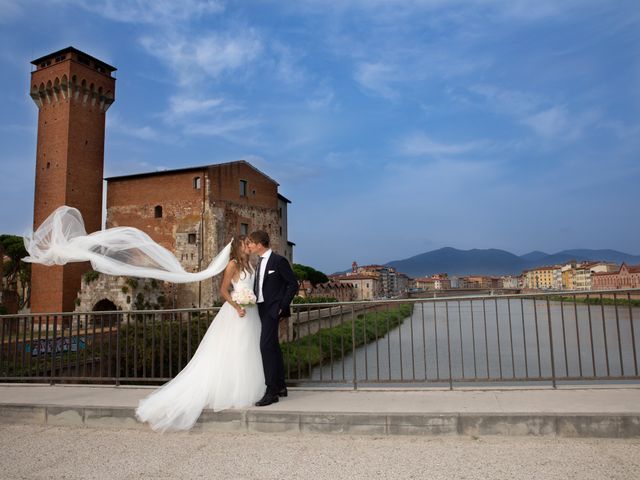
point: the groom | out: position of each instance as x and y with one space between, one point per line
275 286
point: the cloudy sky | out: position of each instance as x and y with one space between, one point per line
395 126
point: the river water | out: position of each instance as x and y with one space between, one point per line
497 340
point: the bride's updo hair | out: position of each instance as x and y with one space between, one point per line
238 254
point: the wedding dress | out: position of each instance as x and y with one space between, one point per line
225 372
226 369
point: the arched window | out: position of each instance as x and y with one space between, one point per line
196 182
158 211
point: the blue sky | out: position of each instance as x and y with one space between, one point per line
395 127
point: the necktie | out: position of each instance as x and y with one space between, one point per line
256 280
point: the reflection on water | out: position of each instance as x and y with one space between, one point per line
498 339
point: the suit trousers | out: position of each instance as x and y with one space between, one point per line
272 361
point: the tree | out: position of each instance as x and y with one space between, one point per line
14 269
304 272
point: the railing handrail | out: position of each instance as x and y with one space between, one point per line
297 306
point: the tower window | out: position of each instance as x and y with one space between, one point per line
243 188
192 238
196 183
158 211
244 229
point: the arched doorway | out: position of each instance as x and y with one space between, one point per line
105 319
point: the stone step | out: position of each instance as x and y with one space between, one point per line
579 412
605 425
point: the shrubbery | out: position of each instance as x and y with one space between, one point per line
164 343
299 300
596 300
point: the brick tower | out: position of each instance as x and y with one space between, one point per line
73 91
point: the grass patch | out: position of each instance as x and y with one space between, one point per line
596 300
314 349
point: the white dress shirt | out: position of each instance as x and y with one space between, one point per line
263 271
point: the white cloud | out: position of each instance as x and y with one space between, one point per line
116 124
508 101
322 97
287 66
193 59
151 11
545 117
392 10
551 122
419 144
377 78
228 128
181 105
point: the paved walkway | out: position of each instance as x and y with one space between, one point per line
48 452
612 412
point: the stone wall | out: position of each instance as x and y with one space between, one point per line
125 293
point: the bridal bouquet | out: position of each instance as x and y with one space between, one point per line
244 297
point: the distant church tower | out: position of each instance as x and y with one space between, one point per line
73 91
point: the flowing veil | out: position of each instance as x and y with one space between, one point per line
125 251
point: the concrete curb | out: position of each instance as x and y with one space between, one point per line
599 425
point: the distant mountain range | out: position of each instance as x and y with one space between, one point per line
497 262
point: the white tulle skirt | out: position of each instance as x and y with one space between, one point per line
224 372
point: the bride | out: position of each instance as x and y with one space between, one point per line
226 369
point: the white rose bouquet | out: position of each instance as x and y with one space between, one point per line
244 297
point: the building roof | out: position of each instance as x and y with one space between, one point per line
74 50
188 169
552 267
630 268
283 198
357 276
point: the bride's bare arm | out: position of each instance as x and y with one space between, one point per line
225 288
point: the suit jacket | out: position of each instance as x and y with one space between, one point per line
279 286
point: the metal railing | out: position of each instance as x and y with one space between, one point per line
503 339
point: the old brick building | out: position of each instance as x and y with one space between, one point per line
194 212
72 91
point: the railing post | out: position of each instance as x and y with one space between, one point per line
553 363
353 348
53 350
118 323
446 303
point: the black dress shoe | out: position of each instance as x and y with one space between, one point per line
268 399
283 392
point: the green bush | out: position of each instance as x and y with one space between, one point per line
596 300
91 275
164 344
299 300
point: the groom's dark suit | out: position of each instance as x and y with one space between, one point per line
279 286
